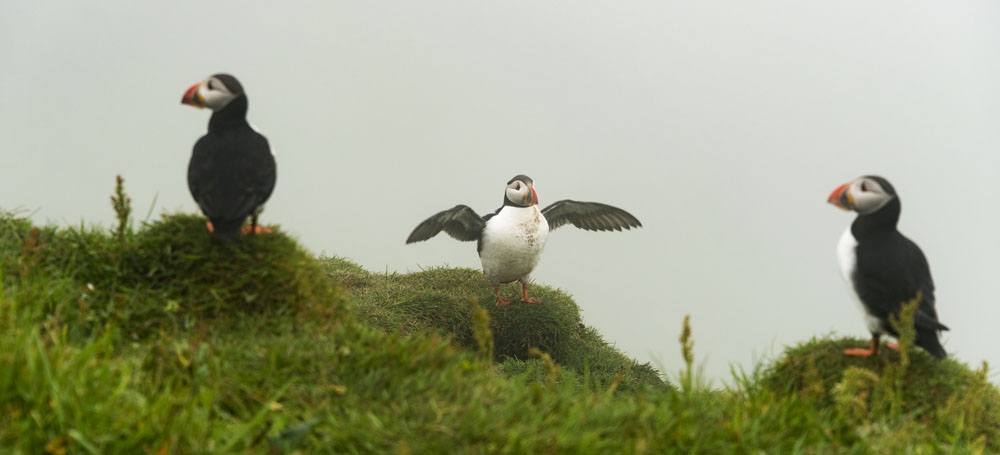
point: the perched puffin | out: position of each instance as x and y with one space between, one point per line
884 268
511 239
232 172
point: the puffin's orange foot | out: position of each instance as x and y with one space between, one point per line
502 301
859 352
255 230
893 345
209 226
524 294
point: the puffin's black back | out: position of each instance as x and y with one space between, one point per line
892 270
231 172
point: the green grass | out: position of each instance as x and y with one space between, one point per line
160 339
168 273
443 300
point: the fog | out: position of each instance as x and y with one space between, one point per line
721 124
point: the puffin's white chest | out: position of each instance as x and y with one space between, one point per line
848 258
513 241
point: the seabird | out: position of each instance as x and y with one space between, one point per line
510 240
884 268
232 171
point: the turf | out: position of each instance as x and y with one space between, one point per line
160 339
443 300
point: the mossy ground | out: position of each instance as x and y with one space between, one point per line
166 273
443 300
163 340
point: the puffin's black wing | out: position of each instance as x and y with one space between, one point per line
890 272
591 216
460 222
231 174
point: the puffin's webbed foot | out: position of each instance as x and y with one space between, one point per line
210 227
524 295
501 301
255 230
871 350
860 352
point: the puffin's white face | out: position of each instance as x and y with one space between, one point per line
863 195
522 193
210 93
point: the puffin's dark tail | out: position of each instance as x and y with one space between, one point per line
928 339
227 230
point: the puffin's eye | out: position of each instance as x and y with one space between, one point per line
210 87
864 186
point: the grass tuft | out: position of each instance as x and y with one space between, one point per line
481 331
268 272
881 388
122 204
437 300
169 274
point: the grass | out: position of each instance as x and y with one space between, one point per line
946 394
443 300
159 339
168 273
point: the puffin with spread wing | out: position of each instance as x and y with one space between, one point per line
510 240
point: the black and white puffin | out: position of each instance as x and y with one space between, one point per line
232 171
511 239
884 268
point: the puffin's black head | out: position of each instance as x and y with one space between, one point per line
865 194
520 192
215 93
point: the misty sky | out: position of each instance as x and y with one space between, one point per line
721 124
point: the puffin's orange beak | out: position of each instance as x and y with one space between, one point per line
192 97
534 195
841 198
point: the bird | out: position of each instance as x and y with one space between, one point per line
232 171
511 239
883 268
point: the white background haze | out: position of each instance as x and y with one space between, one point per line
721 124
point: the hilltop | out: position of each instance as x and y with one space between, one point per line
161 339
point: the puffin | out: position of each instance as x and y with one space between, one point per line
232 171
511 239
882 267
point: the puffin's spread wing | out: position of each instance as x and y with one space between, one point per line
591 216
460 222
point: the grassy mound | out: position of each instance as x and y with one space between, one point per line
945 393
443 300
256 273
236 368
168 273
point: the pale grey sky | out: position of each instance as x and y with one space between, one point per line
721 124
